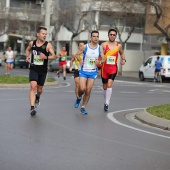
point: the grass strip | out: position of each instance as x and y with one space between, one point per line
162 111
4 79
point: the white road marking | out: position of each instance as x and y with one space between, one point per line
111 117
128 92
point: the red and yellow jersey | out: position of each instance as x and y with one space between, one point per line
63 55
111 55
110 60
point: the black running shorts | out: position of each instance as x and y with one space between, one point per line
76 73
38 77
111 76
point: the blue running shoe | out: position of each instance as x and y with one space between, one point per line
77 103
106 107
83 111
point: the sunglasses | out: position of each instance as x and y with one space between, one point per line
112 34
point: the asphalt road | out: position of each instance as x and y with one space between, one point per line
60 138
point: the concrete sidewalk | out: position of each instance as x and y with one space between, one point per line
155 121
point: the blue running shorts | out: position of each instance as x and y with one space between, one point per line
86 74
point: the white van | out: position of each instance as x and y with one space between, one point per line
147 69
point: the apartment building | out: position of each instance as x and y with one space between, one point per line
154 35
19 21
103 15
21 18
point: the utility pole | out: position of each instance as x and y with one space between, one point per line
47 17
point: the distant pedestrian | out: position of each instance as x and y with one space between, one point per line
62 62
9 55
158 66
41 51
4 60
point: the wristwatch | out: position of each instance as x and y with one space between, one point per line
124 60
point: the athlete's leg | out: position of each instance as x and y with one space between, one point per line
33 88
159 76
81 90
59 70
39 90
107 86
76 80
8 68
82 86
64 71
11 67
86 97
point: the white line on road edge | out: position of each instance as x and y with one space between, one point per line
111 117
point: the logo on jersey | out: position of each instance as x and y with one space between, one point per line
43 47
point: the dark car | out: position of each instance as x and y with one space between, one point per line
20 61
54 64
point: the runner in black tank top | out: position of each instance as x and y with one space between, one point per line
39 50
39 64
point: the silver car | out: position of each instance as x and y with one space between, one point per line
54 64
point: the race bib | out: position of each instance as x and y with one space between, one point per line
111 60
38 60
63 58
91 63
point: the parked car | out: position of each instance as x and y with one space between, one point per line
54 64
20 61
147 69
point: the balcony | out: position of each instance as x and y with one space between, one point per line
21 14
137 8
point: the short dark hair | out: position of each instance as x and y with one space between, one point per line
112 29
41 28
158 58
80 43
95 31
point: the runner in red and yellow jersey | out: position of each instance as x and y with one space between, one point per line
109 70
62 62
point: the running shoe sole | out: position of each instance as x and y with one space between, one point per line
106 108
84 112
37 104
33 112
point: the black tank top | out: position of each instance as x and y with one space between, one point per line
38 64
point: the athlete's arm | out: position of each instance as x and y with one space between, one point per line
78 54
121 52
71 62
102 54
51 51
103 46
28 51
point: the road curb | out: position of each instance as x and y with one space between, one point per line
152 120
27 85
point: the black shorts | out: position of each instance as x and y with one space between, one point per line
111 76
157 70
38 77
76 73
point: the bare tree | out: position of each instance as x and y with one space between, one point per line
160 15
19 23
73 19
130 14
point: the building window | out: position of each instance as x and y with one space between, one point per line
26 4
133 46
